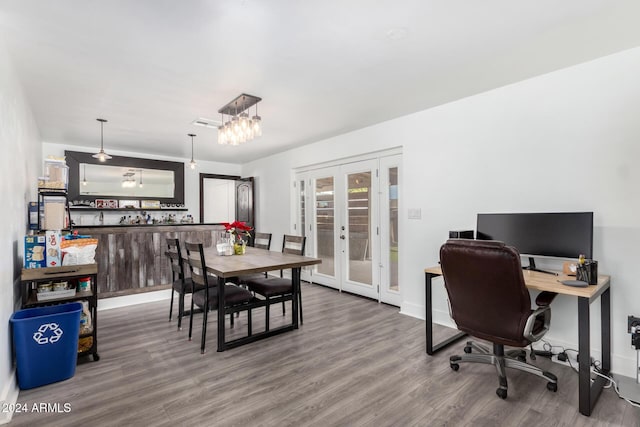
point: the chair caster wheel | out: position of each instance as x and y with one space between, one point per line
454 366
467 349
552 387
502 393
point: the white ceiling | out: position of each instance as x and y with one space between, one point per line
322 67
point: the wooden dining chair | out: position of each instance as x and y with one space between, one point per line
180 283
207 297
270 287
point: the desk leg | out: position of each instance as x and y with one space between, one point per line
221 314
605 318
431 349
584 364
588 393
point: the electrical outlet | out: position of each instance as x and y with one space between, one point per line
633 322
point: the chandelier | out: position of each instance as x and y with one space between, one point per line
239 127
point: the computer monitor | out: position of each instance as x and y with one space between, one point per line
557 234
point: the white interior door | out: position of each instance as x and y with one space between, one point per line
358 238
324 225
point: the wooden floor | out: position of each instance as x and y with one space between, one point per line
353 363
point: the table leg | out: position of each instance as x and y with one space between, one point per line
295 285
431 349
221 314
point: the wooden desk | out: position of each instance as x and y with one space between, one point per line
587 393
253 261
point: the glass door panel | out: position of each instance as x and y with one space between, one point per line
393 228
325 224
358 205
389 236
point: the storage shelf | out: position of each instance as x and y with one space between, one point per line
79 208
30 278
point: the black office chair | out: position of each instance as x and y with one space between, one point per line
272 287
180 283
207 297
489 300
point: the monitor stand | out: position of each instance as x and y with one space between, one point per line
532 267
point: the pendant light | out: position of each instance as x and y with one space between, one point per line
255 123
84 174
141 184
101 155
192 164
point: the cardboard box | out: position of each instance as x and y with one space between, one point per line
34 248
33 215
53 251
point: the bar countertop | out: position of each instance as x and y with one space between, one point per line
158 226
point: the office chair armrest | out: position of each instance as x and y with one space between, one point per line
544 298
528 333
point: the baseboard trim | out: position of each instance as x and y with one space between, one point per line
9 397
133 299
412 310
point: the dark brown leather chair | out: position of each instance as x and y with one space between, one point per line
489 300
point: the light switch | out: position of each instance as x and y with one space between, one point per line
415 213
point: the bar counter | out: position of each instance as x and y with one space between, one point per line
131 258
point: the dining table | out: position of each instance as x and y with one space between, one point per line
254 260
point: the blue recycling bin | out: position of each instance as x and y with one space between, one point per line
46 343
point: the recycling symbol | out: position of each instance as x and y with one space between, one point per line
48 333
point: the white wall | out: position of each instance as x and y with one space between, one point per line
565 141
191 178
20 165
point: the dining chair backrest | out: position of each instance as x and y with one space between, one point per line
293 244
195 255
174 255
262 241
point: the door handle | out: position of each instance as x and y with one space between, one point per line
342 236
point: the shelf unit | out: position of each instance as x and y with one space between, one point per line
44 192
90 209
30 278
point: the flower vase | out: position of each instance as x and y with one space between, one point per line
240 247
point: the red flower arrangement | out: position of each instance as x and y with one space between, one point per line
237 229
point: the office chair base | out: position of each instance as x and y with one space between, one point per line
515 359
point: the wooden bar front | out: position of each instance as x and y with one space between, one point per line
132 258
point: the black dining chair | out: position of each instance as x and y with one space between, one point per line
271 287
206 298
260 241
180 283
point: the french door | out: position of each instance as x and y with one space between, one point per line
345 215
